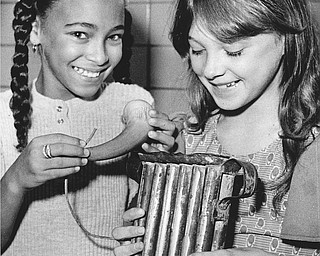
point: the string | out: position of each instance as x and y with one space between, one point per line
74 214
91 135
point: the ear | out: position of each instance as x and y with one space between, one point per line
35 32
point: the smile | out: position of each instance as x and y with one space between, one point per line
86 73
232 84
229 85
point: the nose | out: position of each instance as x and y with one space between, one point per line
213 67
97 53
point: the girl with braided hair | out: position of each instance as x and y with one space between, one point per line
44 124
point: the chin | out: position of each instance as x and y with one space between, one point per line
88 94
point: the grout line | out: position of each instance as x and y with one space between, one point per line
148 60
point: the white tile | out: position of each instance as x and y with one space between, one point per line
171 101
161 15
7 36
167 70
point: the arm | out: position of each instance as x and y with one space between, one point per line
141 123
135 118
11 200
32 169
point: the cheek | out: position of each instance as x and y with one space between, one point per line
115 54
196 64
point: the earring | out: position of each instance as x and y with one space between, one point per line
34 48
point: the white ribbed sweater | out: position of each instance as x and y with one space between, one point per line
99 192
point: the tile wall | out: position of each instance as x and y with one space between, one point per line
154 64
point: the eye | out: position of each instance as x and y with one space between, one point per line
115 38
197 52
234 54
80 35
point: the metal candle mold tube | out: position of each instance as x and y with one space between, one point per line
187 200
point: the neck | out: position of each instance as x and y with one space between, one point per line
251 128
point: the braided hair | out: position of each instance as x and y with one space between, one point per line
25 12
24 15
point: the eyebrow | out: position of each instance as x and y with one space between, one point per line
92 26
190 38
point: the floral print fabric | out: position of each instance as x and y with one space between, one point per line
256 223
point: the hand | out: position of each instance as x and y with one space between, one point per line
242 251
32 168
126 233
165 133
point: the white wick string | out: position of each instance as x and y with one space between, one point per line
91 135
74 214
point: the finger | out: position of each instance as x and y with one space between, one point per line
57 173
179 119
149 148
165 126
133 214
63 149
128 232
61 138
64 162
162 138
130 249
156 114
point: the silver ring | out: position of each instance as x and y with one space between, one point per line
46 151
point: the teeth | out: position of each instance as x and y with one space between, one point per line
86 73
231 84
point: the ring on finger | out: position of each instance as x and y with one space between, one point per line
46 150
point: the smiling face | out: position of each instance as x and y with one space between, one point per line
81 43
239 73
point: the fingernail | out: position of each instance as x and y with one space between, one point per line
84 161
86 152
138 246
140 231
77 168
152 112
152 134
83 143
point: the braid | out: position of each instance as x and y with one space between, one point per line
24 15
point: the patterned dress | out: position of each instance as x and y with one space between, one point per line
257 224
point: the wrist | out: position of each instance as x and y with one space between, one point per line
10 186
